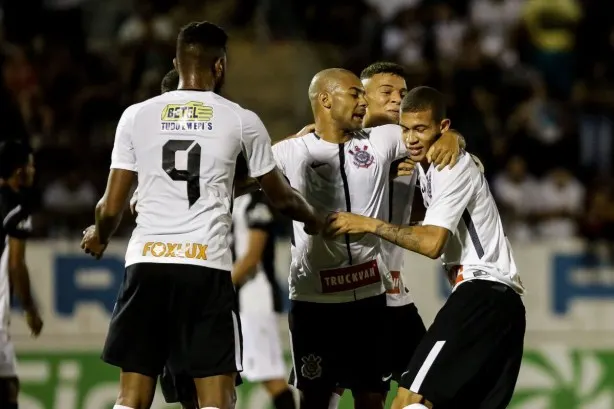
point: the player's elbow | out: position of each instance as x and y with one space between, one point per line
107 210
438 238
284 202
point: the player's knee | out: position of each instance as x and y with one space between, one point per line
406 398
9 390
275 387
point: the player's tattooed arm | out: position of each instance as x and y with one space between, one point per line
426 240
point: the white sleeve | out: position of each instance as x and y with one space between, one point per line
452 190
256 145
389 141
280 152
123 156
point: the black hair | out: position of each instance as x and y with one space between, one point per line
203 40
14 154
382 67
170 82
424 99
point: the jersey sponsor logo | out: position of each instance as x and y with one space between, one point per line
192 116
386 378
349 278
311 368
362 158
178 250
397 282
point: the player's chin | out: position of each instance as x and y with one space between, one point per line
417 154
393 116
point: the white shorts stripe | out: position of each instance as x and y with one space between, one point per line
426 365
237 337
295 383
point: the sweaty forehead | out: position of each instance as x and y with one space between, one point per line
411 119
347 81
384 79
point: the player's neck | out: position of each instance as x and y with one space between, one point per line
373 121
330 133
196 83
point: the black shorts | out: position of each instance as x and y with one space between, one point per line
180 388
179 315
404 334
470 357
338 344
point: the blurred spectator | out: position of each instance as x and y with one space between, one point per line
515 190
496 20
551 26
560 205
537 127
145 25
449 30
598 224
403 39
68 203
594 99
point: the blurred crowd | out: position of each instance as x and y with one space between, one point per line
530 86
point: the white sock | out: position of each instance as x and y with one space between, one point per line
333 403
416 406
121 407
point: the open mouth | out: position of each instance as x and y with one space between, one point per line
358 117
415 151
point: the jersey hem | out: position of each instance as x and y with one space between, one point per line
263 171
123 166
217 266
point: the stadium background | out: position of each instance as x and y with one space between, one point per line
530 85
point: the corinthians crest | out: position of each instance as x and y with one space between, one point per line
362 158
311 368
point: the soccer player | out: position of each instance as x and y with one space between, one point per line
17 174
470 356
336 286
177 304
260 299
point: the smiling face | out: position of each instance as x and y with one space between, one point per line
384 94
421 131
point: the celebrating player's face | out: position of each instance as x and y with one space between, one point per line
420 131
384 94
349 104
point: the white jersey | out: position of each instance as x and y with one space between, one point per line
400 199
184 146
349 177
459 200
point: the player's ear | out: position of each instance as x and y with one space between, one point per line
219 67
324 98
445 125
175 63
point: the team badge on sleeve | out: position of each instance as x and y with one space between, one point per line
362 158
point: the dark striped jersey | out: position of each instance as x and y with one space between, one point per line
262 292
16 223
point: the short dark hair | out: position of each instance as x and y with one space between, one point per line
382 67
170 82
423 99
14 154
205 40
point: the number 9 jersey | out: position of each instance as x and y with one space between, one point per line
184 146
